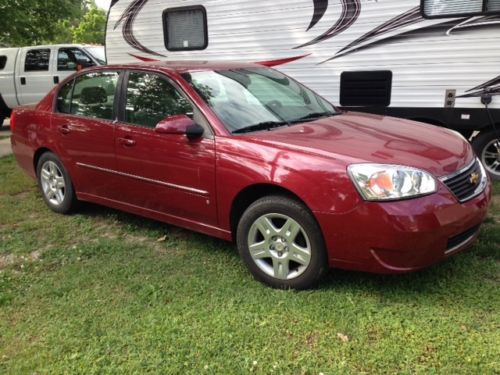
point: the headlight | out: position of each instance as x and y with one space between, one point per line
377 182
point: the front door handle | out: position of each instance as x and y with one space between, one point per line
126 142
23 80
64 129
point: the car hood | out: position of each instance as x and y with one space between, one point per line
360 138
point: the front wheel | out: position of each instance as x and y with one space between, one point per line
487 147
281 243
55 184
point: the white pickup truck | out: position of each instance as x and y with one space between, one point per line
27 74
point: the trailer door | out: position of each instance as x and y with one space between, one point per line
35 75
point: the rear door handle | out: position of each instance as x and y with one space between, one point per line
23 80
64 129
126 142
56 80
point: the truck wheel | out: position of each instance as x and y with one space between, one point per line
487 147
281 243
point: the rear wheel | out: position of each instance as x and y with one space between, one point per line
281 243
55 184
487 147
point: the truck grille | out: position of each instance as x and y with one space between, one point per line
466 183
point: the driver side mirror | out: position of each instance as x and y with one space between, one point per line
180 124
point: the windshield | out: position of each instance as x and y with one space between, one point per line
253 99
97 53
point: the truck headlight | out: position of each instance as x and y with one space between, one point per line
379 182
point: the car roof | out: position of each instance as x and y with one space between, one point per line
184 66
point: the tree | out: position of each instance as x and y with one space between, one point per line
26 22
31 22
91 28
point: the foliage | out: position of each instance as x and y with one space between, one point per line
32 22
91 28
107 292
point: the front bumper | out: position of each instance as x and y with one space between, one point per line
403 236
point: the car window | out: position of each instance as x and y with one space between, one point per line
248 97
94 95
37 60
64 98
68 59
151 98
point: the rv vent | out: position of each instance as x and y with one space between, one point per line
360 89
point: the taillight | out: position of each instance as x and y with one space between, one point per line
12 121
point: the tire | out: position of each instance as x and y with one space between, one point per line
487 147
288 246
55 184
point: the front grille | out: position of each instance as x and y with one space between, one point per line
462 238
467 183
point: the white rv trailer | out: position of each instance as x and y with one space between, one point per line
427 60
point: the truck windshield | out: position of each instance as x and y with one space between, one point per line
97 53
252 99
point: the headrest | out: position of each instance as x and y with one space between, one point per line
93 95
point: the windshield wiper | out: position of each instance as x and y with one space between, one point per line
313 116
266 125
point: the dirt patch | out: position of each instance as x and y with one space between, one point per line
312 340
8 260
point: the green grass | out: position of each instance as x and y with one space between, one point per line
96 293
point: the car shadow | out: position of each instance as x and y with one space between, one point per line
141 224
401 288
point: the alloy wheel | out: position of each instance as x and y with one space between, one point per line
279 246
53 184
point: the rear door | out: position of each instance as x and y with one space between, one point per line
34 74
84 127
164 172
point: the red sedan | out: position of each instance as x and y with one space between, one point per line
245 153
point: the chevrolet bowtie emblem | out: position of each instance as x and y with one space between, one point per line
474 178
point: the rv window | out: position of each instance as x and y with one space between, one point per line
455 8
37 60
3 61
365 89
185 29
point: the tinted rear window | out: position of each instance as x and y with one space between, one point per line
37 60
3 61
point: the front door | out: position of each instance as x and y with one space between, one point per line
70 60
164 172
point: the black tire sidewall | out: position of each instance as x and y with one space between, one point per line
479 143
69 201
297 211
